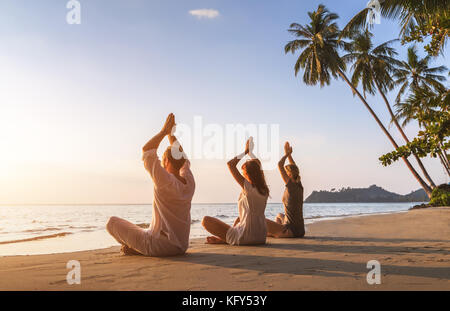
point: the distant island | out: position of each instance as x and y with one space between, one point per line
373 194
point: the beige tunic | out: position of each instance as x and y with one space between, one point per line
251 228
172 201
168 234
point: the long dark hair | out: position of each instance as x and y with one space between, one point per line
256 175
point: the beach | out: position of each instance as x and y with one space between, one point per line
413 249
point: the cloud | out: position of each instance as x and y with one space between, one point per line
205 13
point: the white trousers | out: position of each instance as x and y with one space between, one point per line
141 240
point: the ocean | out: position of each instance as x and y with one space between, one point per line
43 229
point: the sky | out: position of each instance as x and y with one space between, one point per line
78 101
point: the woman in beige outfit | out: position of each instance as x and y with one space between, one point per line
250 227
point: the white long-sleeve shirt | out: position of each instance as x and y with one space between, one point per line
172 201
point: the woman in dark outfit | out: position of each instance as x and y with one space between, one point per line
291 223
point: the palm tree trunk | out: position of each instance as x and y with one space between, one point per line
408 164
446 166
442 155
400 129
445 154
444 159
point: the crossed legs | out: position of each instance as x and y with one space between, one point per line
216 227
277 229
134 239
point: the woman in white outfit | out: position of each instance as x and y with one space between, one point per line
250 227
174 187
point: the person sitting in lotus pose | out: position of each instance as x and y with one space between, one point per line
290 224
174 187
250 227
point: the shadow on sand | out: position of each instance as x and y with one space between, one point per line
305 266
362 239
359 249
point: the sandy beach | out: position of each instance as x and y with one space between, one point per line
413 249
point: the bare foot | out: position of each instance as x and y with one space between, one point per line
125 250
214 240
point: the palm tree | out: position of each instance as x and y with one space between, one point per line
415 72
424 101
410 13
319 41
372 67
320 61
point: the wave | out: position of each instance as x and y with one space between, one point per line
82 227
61 227
223 216
350 215
328 216
42 237
42 230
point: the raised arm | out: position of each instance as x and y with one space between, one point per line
282 170
288 152
166 130
287 155
176 144
235 172
152 164
291 160
173 140
233 162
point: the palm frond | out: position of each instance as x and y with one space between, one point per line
358 22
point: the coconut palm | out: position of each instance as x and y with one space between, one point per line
319 41
372 68
422 102
414 106
320 60
415 72
410 13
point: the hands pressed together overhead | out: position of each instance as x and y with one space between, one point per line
167 130
287 149
169 124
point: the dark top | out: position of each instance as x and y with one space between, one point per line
293 207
